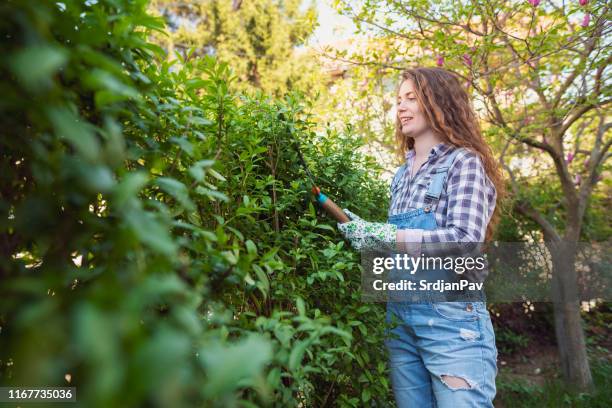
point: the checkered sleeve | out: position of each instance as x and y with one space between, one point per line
467 212
399 173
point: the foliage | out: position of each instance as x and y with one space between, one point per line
158 245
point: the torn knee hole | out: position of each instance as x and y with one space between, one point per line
455 383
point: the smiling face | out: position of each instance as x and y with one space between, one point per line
412 120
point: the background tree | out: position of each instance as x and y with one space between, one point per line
257 39
538 73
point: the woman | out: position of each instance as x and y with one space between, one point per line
442 354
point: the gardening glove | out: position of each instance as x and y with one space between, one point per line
363 234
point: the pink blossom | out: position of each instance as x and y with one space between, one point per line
586 163
583 2
467 59
570 157
577 179
534 3
440 60
586 20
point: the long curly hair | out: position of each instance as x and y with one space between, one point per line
449 113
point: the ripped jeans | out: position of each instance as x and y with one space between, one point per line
442 354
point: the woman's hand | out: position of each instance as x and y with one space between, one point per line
363 234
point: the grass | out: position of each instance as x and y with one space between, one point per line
553 393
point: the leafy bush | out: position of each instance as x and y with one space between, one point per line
158 245
508 341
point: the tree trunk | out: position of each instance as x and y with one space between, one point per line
568 322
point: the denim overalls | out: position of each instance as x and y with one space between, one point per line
436 339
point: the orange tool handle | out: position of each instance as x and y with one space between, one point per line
330 207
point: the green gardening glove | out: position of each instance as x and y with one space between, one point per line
364 235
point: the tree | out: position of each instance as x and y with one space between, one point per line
257 39
538 72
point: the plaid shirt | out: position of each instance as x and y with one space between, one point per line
465 205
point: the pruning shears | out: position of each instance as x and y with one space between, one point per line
324 201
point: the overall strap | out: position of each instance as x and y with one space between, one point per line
440 174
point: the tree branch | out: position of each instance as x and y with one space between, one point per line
580 112
524 207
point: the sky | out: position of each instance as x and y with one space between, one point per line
332 26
